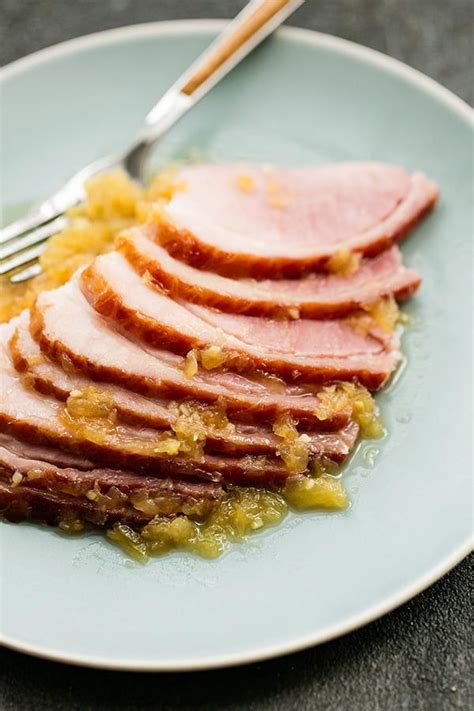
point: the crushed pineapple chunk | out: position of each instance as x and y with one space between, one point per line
106 501
71 525
344 262
195 422
148 504
246 183
16 479
323 492
293 447
212 357
33 474
191 364
91 403
383 313
129 540
341 397
167 445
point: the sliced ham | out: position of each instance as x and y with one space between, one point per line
302 349
103 354
49 378
243 220
34 488
316 296
227 300
39 419
52 455
25 503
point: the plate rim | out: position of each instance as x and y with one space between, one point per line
351 49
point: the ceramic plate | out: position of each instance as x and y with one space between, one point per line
301 98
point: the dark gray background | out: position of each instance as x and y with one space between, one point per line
418 657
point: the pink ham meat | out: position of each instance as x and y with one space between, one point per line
49 378
71 333
22 503
52 455
32 487
288 221
316 296
312 351
38 419
27 415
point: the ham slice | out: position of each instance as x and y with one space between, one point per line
49 378
314 351
316 296
34 488
38 419
103 354
26 503
243 220
52 455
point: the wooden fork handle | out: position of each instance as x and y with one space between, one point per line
259 17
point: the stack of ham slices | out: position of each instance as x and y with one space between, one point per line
229 312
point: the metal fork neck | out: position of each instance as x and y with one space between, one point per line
171 107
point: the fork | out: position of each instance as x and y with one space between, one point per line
23 241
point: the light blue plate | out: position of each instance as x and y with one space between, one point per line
302 98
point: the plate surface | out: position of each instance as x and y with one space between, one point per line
302 98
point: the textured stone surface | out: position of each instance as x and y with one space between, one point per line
434 36
418 657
